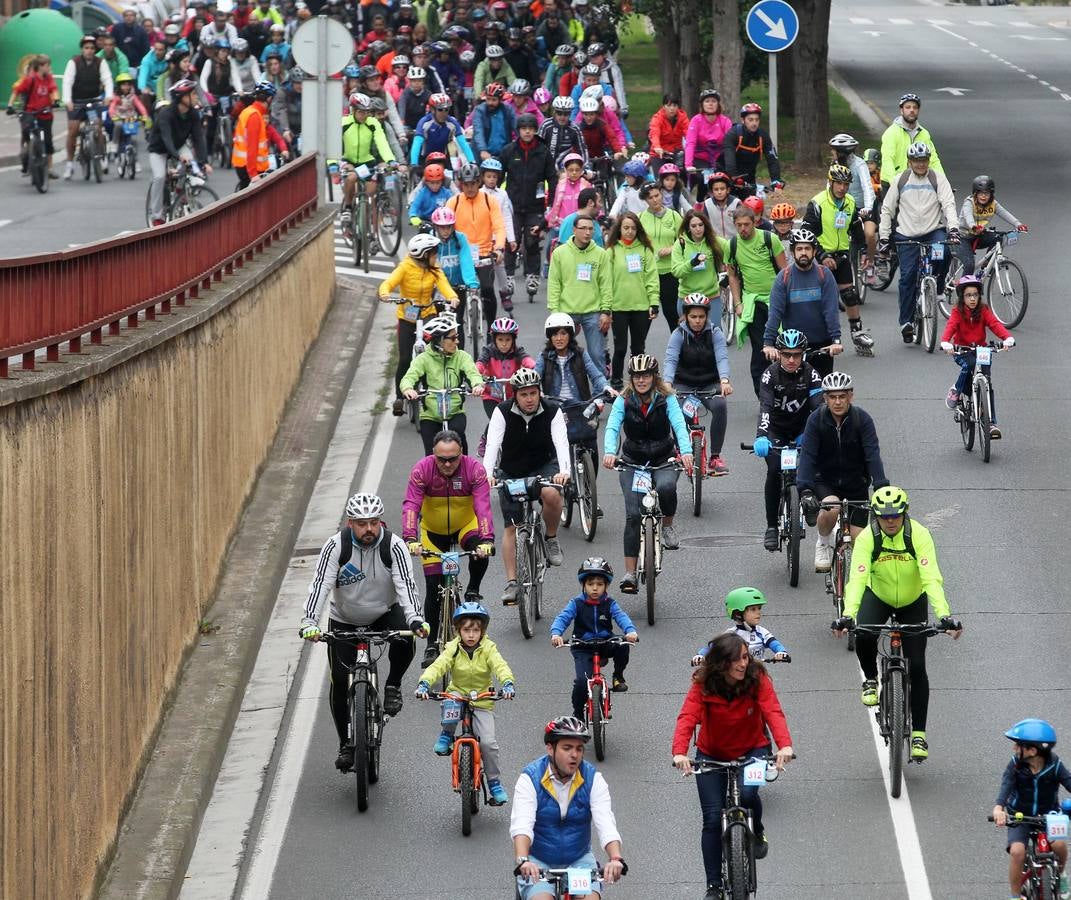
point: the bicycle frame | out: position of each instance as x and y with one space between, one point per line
450 591
467 734
1041 862
598 648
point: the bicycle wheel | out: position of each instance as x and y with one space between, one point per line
650 575
598 722
861 286
892 690
131 157
737 862
525 577
966 424
1007 292
359 725
473 325
985 419
38 164
99 149
538 566
465 785
84 156
929 314
588 499
947 301
795 533
390 221
697 474
1048 885
225 141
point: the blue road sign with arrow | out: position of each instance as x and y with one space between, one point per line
772 25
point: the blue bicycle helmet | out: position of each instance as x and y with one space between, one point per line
264 87
791 339
351 71
222 44
491 165
472 610
1036 732
634 169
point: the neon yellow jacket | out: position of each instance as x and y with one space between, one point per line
896 577
470 673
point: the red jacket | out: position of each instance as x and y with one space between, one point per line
662 134
730 728
964 332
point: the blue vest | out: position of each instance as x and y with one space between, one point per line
557 841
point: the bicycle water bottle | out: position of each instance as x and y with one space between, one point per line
594 409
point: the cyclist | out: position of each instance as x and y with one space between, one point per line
498 360
431 196
364 144
733 702
676 196
86 78
804 297
745 146
248 67
557 799
125 105
647 422
783 217
479 217
38 88
634 290
922 205
720 206
593 613
967 327
697 359
628 192
437 130
520 93
493 123
447 502
840 456
1031 785
491 177
368 573
845 150
978 210
413 99
705 137
560 64
493 69
176 124
249 154
790 390
471 660
895 573
662 226
897 139
455 252
599 138
667 130
562 135
833 217
527 438
744 606
609 75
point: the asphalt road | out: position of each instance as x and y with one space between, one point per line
833 831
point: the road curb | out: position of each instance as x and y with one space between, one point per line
870 113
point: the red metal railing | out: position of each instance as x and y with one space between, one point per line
57 298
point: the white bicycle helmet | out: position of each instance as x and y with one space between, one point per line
558 320
416 72
918 150
439 325
563 104
420 245
837 381
594 90
843 142
589 104
364 506
493 51
524 378
803 236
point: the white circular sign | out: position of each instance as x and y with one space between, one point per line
336 50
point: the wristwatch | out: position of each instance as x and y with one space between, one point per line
520 860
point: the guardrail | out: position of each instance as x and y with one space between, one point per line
56 298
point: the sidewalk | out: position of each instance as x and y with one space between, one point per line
9 137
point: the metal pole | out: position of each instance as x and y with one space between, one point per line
321 111
773 98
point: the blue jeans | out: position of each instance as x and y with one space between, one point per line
966 373
909 269
594 340
712 787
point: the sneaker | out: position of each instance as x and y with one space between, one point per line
444 744
398 408
472 596
760 846
771 540
499 797
713 893
619 686
431 653
510 592
717 465
907 332
870 692
554 552
952 399
52 176
344 219
507 304
344 760
628 583
870 277
920 750
510 285
823 557
68 171
156 223
994 433
392 700
531 284
669 537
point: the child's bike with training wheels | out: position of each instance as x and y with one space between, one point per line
974 410
1041 869
466 766
597 711
791 526
694 411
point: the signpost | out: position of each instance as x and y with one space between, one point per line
322 47
772 26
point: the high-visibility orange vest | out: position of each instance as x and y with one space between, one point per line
240 151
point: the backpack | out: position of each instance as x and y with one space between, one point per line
347 548
875 530
788 270
931 177
767 243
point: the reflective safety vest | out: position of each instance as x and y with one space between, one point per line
239 153
835 221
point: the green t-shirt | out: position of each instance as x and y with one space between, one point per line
753 261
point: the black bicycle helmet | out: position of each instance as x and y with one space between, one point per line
595 565
565 727
984 183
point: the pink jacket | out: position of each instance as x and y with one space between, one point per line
492 364
565 200
427 483
704 139
394 86
531 108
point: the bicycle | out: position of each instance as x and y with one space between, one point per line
567 883
442 404
126 154
367 718
34 155
649 564
474 311
974 411
185 192
1007 299
450 594
597 710
603 179
837 577
223 141
92 147
531 546
894 700
791 526
358 233
885 270
738 870
1041 870
694 411
856 255
466 765
925 313
389 206
582 490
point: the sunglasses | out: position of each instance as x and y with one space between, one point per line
785 354
446 460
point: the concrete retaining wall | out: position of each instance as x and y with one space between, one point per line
118 495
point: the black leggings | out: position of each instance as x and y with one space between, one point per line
873 611
341 658
755 331
433 583
429 428
636 324
667 296
527 243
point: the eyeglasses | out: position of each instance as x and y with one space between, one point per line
449 337
890 516
447 460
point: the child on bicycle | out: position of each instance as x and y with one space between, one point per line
967 328
1031 786
430 196
566 198
592 613
38 90
783 216
491 172
720 205
628 193
499 359
471 660
979 209
744 608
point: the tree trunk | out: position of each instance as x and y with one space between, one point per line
786 81
669 47
812 85
727 54
690 59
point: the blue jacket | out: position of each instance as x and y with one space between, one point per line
150 69
683 333
426 201
565 230
431 137
560 841
282 49
455 259
596 377
808 301
592 621
1033 795
491 132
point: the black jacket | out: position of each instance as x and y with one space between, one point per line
527 170
742 151
841 456
171 130
786 401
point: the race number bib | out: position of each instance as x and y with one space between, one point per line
690 406
938 252
788 459
451 712
634 262
840 220
363 171
412 312
984 355
1011 238
451 564
579 881
1056 826
755 773
641 481
583 271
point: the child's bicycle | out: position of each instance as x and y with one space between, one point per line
694 412
1041 870
568 883
597 711
974 411
466 768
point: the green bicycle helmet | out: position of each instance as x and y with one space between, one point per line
739 599
889 501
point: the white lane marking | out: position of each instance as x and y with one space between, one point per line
1065 96
1045 83
1053 87
874 33
900 22
4 222
939 21
980 23
855 20
1022 24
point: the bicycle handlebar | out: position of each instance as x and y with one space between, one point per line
919 629
375 637
751 447
995 346
739 763
1019 818
833 504
613 640
438 554
468 698
621 465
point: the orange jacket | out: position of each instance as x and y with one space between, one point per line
251 132
480 220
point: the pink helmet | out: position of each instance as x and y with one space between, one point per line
572 157
541 96
669 169
443 216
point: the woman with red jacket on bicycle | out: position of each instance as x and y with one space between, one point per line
667 130
733 702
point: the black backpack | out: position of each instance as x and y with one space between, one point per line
875 529
347 548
